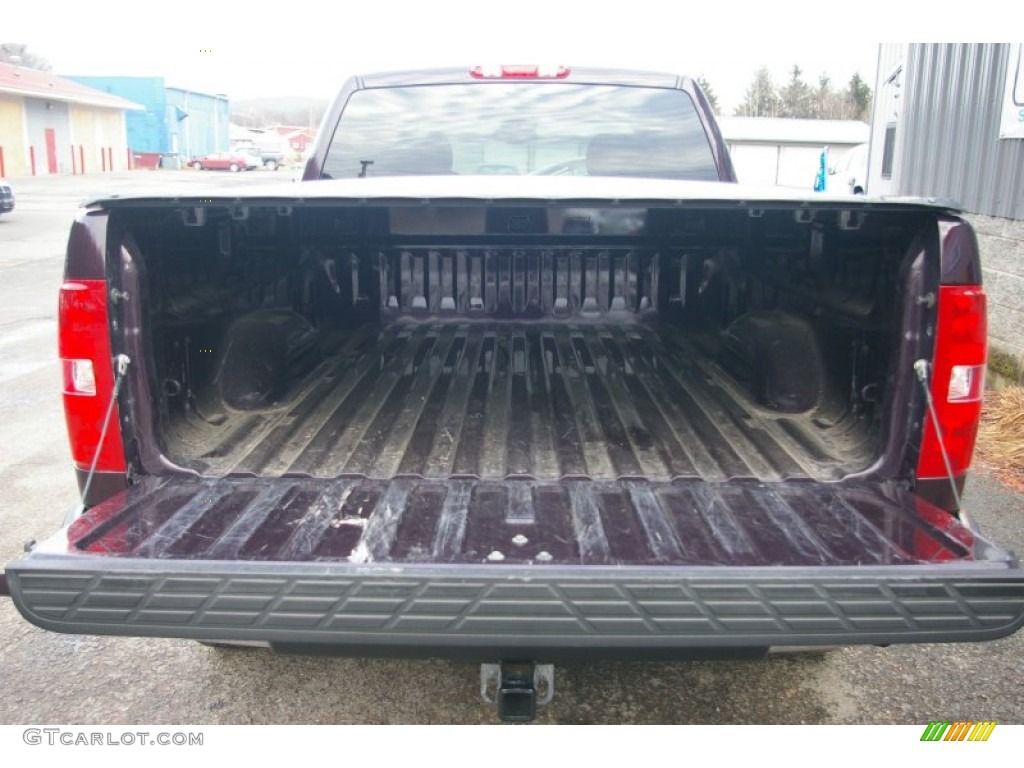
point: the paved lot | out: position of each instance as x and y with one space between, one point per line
69 679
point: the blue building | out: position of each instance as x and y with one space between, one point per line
176 121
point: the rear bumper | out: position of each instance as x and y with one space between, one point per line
502 610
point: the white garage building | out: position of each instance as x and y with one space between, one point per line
785 151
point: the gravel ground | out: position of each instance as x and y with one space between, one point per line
50 678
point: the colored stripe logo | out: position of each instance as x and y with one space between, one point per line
958 730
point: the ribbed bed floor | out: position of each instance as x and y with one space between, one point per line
517 521
546 400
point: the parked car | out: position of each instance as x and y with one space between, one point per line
221 161
6 198
271 160
251 155
851 171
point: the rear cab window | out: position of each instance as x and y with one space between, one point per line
520 129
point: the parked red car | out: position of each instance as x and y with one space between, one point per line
220 161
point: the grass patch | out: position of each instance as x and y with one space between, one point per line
1001 435
1005 365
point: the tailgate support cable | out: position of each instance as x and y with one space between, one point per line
121 362
921 368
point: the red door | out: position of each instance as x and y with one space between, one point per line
51 150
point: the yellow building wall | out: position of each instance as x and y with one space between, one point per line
84 140
102 137
115 137
12 136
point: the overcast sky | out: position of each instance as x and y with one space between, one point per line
276 49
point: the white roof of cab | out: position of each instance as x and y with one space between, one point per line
785 130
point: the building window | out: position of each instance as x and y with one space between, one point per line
888 149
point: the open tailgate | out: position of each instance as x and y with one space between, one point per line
423 567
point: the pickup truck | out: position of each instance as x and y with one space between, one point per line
640 411
271 160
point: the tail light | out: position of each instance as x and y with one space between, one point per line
519 72
86 359
957 381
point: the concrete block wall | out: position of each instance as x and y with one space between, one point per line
1001 242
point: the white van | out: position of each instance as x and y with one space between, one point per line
851 171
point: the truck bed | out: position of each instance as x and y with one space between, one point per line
350 432
542 400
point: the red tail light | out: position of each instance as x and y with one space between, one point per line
957 380
84 345
519 72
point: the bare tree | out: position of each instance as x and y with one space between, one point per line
709 93
800 100
797 98
859 97
761 98
18 53
822 106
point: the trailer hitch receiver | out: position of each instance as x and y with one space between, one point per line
517 688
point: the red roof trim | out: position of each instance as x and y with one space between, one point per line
33 83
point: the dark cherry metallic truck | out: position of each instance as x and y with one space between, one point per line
608 402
